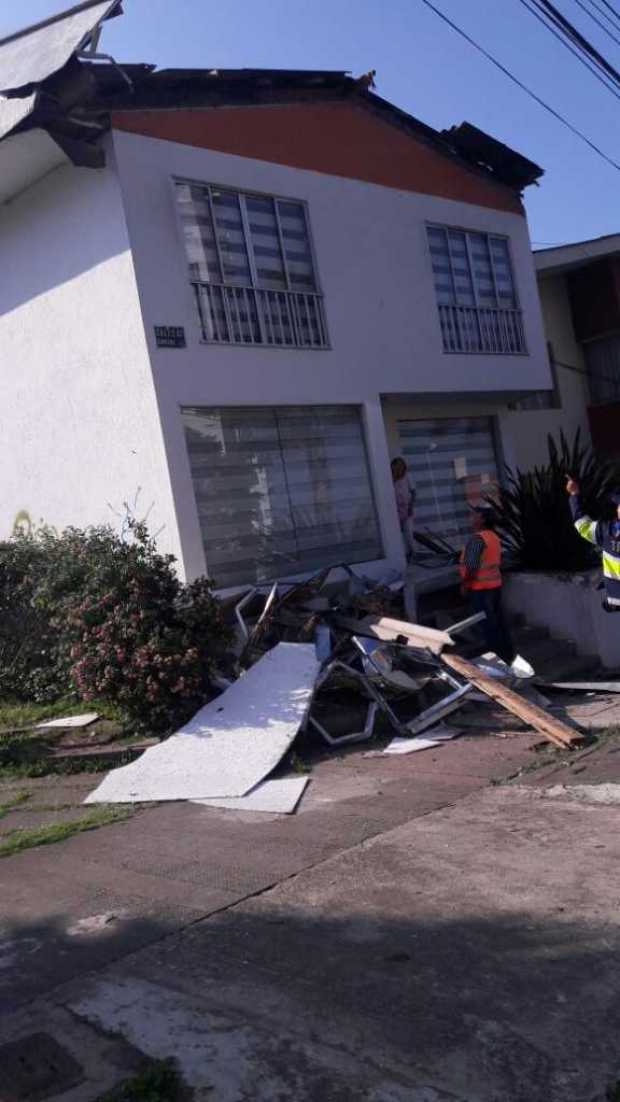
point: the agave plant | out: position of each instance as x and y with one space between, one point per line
533 515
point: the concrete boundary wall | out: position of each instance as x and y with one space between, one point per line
569 608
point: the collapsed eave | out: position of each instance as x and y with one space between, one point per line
48 82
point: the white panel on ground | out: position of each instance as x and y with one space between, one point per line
231 744
71 721
279 796
435 737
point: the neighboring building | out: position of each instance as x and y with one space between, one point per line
580 296
243 292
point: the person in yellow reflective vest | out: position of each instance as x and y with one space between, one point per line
481 580
604 534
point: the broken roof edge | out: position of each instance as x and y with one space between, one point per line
446 141
115 9
337 85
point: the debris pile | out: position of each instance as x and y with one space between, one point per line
331 661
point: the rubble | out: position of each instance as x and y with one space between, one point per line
378 671
362 671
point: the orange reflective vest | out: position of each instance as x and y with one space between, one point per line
488 574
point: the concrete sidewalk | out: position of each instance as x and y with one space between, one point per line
412 934
174 864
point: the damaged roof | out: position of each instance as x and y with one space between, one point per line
53 80
31 55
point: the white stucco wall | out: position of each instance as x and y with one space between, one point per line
531 428
375 271
80 426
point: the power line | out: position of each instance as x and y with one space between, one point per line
611 9
574 41
575 52
615 22
598 22
576 36
521 85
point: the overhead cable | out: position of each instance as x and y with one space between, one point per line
560 118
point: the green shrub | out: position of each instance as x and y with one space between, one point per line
108 619
533 514
39 572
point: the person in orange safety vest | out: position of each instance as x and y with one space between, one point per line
481 580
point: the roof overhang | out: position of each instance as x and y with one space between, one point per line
24 159
567 258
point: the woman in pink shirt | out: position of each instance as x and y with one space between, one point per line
405 500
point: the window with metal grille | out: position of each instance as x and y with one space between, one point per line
251 267
476 292
280 491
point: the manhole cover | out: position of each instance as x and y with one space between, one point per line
35 1068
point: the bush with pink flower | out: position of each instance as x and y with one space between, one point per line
107 619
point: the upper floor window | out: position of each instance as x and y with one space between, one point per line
476 293
251 267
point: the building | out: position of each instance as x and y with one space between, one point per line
241 293
580 297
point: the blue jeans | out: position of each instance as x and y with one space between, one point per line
493 630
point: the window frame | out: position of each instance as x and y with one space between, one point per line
371 477
467 231
242 192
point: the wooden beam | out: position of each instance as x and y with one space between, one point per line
552 728
397 631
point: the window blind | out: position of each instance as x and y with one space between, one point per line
280 491
471 269
452 465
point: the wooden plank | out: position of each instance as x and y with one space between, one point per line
548 725
392 631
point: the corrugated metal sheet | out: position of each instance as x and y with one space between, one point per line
32 55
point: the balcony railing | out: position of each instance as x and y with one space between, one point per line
482 329
248 315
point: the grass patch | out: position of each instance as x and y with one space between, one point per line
42 766
15 713
159 1082
613 1092
14 841
14 801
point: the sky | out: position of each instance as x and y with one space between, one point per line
422 66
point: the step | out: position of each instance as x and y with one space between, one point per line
538 651
560 666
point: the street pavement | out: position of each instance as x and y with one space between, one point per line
416 931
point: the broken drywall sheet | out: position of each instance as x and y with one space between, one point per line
279 796
232 743
71 721
435 737
410 745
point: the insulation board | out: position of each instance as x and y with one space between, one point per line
232 743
